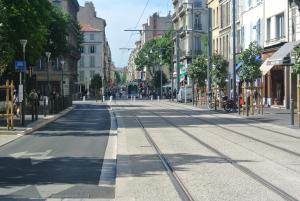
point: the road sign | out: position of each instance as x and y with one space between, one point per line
20 66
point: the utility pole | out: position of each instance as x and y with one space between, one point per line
234 49
209 55
177 62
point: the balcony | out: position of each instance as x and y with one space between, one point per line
275 41
174 17
181 10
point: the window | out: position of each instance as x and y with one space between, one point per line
258 32
268 28
280 26
197 45
92 74
92 61
82 61
92 36
81 76
82 49
198 25
249 3
92 49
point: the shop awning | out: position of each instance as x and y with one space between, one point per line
278 57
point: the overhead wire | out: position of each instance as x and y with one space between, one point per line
137 24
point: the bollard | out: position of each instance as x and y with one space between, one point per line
247 106
83 98
292 112
103 98
110 98
239 105
133 98
151 97
158 98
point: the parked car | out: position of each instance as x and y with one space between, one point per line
185 92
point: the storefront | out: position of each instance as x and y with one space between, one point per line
279 80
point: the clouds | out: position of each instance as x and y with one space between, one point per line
124 14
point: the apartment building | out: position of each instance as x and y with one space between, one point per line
53 71
190 20
92 56
156 27
252 20
87 15
276 74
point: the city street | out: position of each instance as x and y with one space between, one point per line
169 151
62 160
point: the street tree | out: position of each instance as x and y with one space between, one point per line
198 70
250 70
147 58
156 81
118 78
6 52
96 84
219 71
296 66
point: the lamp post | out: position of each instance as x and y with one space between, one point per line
62 62
23 105
48 54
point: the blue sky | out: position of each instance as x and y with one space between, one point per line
124 14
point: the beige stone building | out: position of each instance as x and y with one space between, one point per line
190 15
87 15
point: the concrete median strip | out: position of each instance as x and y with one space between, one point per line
108 172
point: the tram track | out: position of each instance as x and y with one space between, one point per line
254 121
280 192
239 133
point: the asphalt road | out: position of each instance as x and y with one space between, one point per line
61 160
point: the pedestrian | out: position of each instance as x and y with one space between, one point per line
33 98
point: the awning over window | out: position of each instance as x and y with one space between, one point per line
278 57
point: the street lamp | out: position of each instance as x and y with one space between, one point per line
48 54
23 109
62 62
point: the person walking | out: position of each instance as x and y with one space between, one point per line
33 98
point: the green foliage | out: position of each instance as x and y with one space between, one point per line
44 26
296 66
58 32
198 70
219 71
118 78
156 79
124 78
166 45
155 52
147 57
250 71
27 20
96 82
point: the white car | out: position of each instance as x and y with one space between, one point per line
185 92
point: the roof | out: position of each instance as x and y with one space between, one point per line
89 28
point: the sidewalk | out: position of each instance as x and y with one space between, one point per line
7 136
278 116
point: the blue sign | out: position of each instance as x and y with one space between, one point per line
20 66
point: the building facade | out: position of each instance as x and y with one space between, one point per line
190 20
92 56
87 15
155 27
